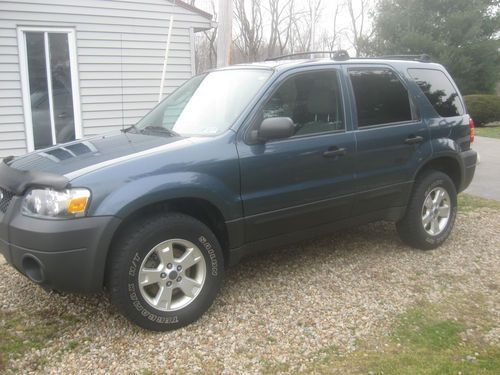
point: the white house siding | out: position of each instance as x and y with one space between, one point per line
120 48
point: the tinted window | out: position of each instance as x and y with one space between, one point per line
439 90
380 96
312 100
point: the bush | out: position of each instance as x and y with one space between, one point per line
483 108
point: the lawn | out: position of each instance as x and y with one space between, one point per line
440 339
467 203
491 131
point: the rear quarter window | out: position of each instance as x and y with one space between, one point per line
439 90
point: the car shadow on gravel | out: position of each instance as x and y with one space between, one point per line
378 237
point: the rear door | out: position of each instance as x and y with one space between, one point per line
306 180
390 135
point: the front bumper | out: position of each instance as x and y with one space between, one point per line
65 255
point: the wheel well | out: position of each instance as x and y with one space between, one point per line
446 165
200 209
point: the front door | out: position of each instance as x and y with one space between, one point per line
49 87
306 180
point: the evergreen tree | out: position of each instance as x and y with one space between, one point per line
463 35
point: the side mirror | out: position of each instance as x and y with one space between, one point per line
275 128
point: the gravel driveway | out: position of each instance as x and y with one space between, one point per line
281 308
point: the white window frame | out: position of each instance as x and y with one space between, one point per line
25 85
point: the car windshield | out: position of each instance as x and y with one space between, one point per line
207 104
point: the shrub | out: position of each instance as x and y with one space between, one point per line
483 108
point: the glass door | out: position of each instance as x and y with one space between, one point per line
50 84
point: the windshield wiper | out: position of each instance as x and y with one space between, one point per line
159 129
131 127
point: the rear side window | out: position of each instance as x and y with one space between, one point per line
439 90
380 96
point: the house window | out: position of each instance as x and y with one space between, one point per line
50 91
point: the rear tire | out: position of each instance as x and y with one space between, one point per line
431 211
165 271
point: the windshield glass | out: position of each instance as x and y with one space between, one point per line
205 105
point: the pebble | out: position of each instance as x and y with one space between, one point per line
357 282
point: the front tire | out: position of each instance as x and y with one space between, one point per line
165 271
431 212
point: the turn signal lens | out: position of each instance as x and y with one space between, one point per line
77 205
471 127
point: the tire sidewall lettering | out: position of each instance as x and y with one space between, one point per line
211 255
136 261
162 319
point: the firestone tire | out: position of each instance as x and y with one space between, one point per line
152 240
414 229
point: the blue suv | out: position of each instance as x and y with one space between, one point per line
237 160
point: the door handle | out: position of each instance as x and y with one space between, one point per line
412 139
334 151
62 115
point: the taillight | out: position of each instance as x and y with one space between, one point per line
471 127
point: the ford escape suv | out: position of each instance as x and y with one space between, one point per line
236 160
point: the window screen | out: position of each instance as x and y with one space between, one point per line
439 90
380 96
312 100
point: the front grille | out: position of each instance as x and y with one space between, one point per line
5 198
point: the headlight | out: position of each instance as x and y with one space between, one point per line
56 204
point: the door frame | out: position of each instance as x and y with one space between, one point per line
23 65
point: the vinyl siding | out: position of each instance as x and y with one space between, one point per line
120 46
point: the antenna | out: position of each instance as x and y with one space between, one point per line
121 77
167 47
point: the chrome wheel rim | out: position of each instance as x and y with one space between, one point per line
436 211
172 275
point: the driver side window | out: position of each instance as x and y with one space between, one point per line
312 100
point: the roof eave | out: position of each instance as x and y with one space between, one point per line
193 9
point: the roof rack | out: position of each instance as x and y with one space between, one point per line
422 57
334 55
343 55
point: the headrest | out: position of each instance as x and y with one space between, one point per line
321 101
287 92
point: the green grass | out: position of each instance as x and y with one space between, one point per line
417 330
426 340
468 203
491 131
423 342
17 337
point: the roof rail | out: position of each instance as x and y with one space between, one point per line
334 55
422 57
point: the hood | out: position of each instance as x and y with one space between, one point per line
69 158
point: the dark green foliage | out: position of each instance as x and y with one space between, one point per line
460 34
483 108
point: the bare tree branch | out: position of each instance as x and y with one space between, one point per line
358 35
249 26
